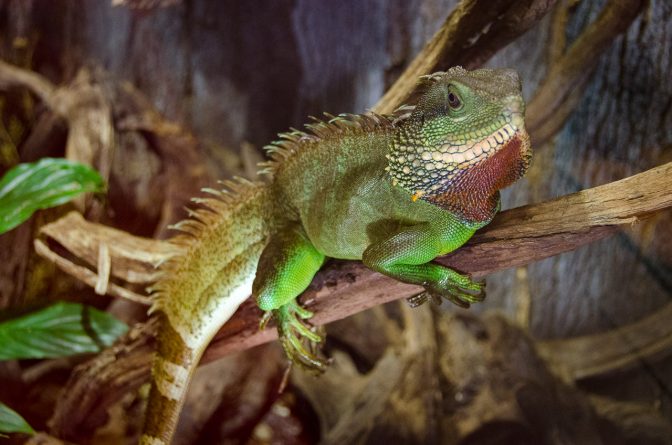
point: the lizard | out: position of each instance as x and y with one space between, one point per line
394 192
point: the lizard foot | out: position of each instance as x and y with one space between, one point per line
459 289
294 334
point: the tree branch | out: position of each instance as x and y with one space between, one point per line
14 77
516 237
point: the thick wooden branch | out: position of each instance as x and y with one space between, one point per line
516 237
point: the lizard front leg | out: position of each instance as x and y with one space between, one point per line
407 254
286 268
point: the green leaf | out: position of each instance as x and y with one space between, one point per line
40 185
12 422
59 330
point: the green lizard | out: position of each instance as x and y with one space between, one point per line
392 191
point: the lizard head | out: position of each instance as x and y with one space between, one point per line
463 141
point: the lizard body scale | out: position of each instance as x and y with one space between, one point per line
393 191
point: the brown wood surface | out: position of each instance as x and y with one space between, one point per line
617 349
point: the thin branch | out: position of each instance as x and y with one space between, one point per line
87 276
134 258
14 77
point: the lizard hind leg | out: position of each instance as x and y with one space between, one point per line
286 268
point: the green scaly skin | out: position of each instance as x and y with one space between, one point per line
396 196
392 191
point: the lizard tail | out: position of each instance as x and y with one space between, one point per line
200 289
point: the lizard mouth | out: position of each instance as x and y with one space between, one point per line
470 154
509 135
454 161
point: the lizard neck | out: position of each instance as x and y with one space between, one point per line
466 184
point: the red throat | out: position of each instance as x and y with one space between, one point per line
473 195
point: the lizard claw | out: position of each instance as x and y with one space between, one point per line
459 289
422 298
297 339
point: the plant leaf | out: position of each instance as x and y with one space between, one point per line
12 422
59 330
47 183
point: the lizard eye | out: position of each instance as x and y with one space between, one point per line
454 101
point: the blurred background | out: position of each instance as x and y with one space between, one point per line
193 89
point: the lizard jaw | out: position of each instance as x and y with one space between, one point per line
475 151
426 171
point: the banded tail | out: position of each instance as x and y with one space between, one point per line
199 291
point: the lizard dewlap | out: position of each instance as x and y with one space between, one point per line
392 191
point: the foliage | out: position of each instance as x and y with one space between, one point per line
59 330
12 422
47 183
